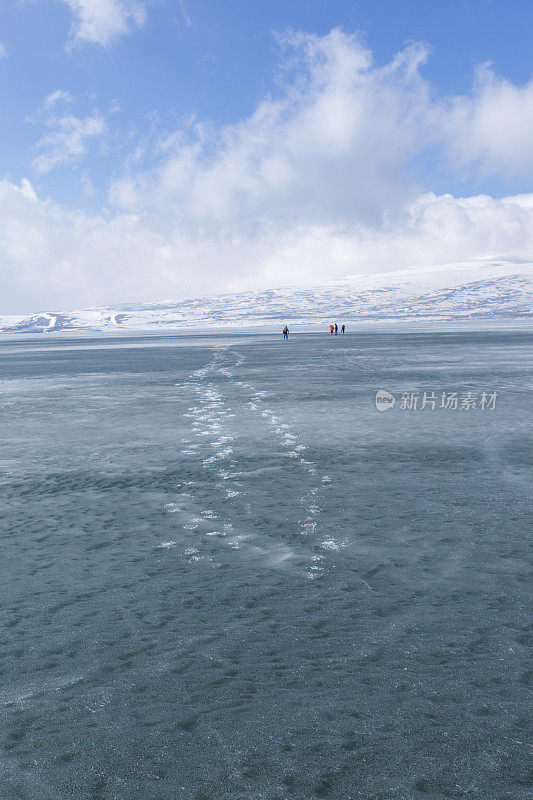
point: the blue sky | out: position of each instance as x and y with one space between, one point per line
169 130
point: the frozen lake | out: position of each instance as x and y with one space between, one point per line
226 576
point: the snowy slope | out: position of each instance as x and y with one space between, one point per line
491 289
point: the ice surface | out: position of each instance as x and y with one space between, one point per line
226 576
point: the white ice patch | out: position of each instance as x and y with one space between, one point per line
308 528
331 544
225 453
237 541
193 524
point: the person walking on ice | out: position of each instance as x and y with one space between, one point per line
285 332
331 329
336 329
342 329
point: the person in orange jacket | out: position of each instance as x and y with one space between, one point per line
331 328
285 332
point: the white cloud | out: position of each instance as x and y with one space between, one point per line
67 136
330 149
335 146
103 21
56 97
3 50
315 184
67 141
184 13
494 127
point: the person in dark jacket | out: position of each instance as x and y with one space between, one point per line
285 332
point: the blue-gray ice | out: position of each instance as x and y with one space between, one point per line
226 576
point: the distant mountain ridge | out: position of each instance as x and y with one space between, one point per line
483 290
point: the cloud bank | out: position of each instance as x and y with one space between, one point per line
317 183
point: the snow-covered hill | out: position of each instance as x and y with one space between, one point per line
483 290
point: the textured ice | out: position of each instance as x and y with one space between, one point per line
226 576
